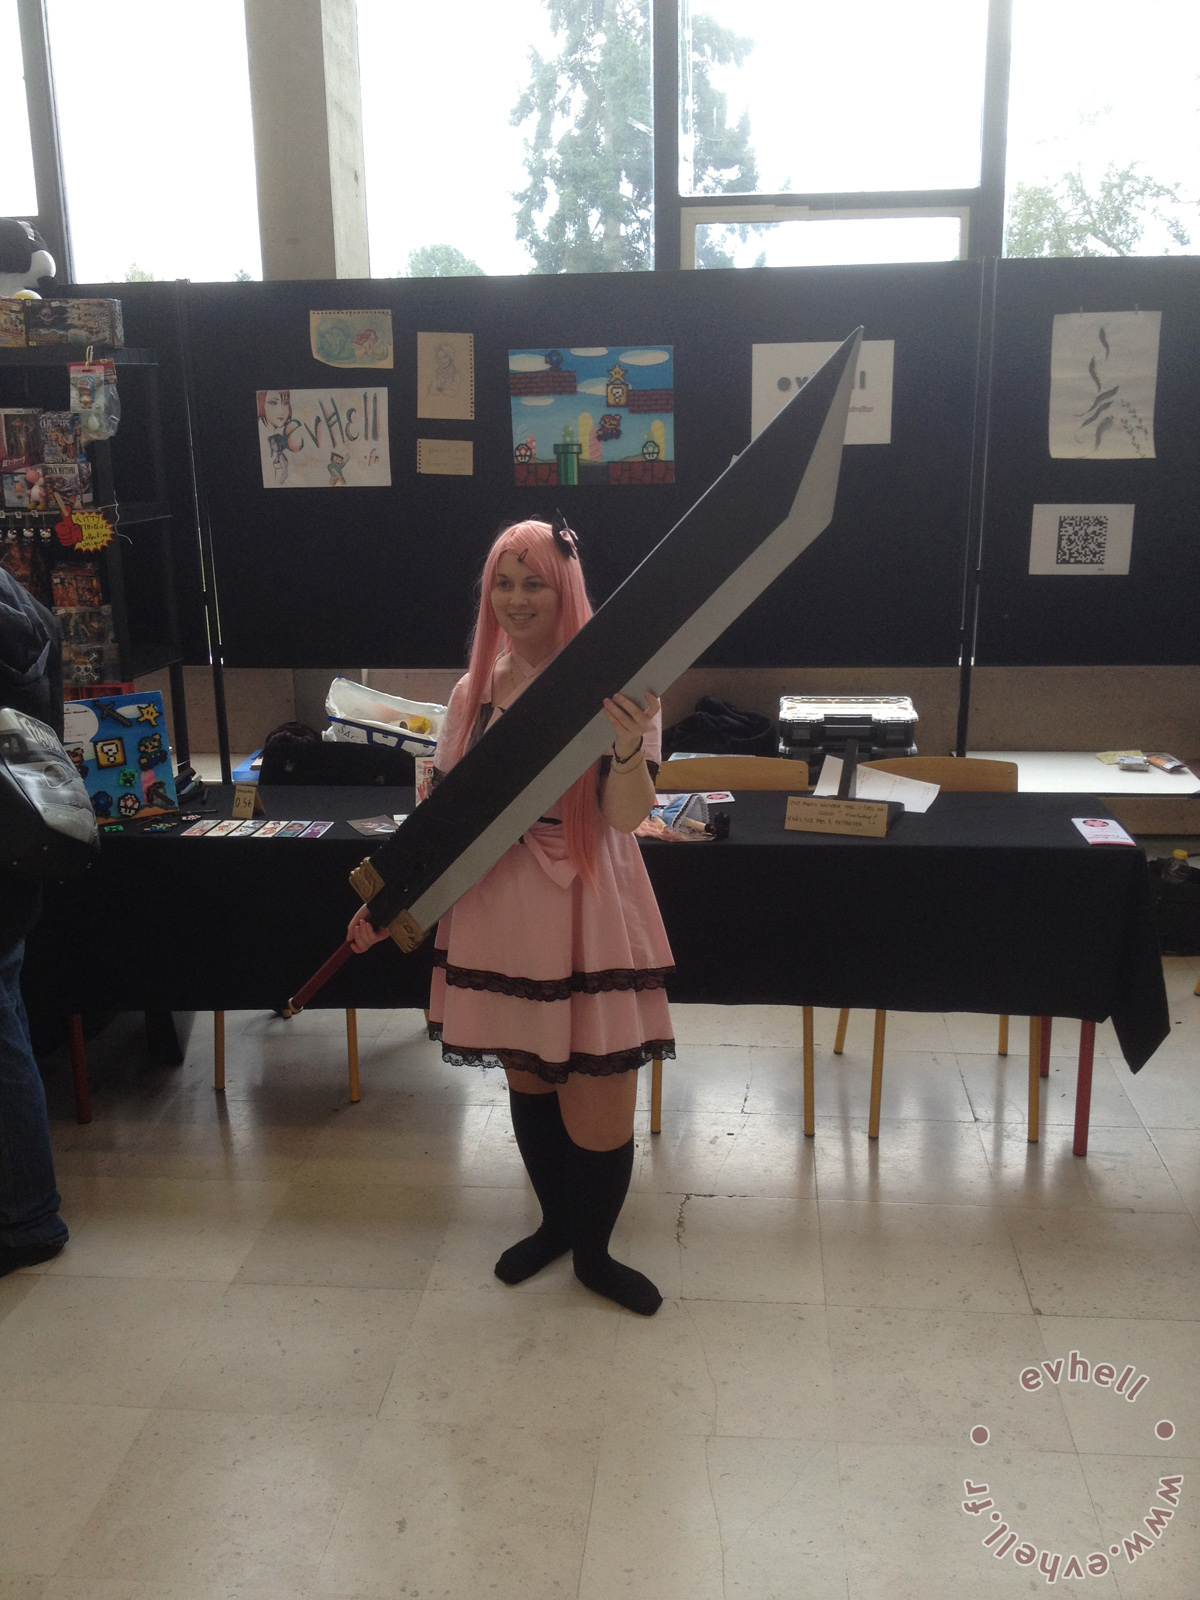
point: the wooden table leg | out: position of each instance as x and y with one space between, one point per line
352 1052
1083 1086
1002 1041
839 1038
83 1098
1044 1063
810 1123
876 1075
218 1052
656 1095
1035 1077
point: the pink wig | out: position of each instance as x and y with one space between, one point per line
534 543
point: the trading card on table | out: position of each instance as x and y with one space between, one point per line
12 324
373 825
316 829
293 830
246 830
270 829
198 828
62 439
224 829
716 797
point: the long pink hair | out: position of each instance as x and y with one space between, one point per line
534 542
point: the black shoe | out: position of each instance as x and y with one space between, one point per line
15 1256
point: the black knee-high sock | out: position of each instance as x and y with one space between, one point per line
544 1146
599 1184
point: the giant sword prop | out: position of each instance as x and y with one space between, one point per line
768 506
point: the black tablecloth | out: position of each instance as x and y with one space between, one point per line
985 903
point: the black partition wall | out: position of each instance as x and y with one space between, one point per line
383 576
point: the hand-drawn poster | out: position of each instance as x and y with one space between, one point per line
593 415
1103 376
323 438
446 376
455 457
778 370
119 747
1081 541
351 338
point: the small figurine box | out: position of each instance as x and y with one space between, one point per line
119 745
20 438
12 324
62 438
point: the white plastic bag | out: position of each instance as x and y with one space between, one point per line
360 715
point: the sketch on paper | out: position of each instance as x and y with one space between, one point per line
593 415
1103 376
1081 541
323 438
446 375
351 338
778 370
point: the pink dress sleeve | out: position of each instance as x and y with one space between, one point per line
450 735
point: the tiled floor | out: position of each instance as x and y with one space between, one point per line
274 1363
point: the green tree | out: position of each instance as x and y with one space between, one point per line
137 274
440 261
588 205
1066 218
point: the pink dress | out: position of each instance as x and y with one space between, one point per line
560 977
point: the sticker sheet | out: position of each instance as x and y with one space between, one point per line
1103 378
323 438
351 338
1081 541
119 746
778 370
593 415
446 376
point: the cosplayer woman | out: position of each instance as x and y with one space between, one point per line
554 963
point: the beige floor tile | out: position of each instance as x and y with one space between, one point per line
908 1538
904 1030
201 1151
978 1033
427 1147
55 1463
500 1511
918 1085
22 1588
704 1367
1108 1263
653 1532
999 1091
170 1589
703 1153
280 1349
165 1227
929 1377
1125 1490
483 1222
475 1358
748 1248
101 1341
779 1513
370 1236
710 1078
247 1500
916 1163
920 1258
1122 1169
738 1025
14 1288
1102 1422
1166 1092
1179 1149
495 1162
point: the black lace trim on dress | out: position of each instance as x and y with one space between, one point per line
556 1071
623 979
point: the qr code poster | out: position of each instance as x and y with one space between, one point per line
1081 541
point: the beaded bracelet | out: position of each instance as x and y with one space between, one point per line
623 761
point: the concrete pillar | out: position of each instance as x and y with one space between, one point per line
308 149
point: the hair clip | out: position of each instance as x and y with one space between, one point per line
565 537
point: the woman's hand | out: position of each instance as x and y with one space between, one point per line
630 723
361 934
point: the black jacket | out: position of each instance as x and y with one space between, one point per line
30 681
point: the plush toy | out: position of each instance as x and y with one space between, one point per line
26 266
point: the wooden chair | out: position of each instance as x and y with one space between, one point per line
728 772
957 775
351 1053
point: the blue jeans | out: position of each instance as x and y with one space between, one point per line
28 1198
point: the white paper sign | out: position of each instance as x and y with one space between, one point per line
323 438
1081 541
1103 376
871 784
778 370
1102 830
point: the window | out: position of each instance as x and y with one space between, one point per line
157 141
17 195
1104 129
823 242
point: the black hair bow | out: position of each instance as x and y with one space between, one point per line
565 537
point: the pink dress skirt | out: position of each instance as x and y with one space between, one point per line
558 976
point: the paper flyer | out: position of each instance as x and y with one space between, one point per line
778 370
323 438
450 457
446 376
1081 541
351 338
1103 378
